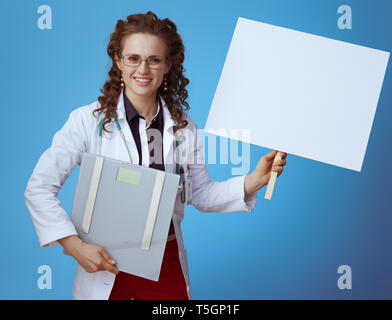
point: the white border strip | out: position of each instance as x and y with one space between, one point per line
92 194
152 213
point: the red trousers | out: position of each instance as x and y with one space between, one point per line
171 284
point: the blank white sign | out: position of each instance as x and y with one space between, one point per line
299 93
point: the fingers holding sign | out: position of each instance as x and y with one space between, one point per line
276 170
279 162
269 167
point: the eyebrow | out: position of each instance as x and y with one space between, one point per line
135 54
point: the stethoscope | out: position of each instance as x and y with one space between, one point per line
179 169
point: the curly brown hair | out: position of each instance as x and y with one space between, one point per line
176 94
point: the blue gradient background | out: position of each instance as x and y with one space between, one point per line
320 216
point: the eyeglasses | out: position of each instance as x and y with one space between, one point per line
134 60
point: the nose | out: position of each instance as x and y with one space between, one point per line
143 68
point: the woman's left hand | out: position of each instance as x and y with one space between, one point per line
261 175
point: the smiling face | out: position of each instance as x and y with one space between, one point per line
145 46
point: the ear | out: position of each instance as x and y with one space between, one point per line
118 61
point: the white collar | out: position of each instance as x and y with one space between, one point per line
168 121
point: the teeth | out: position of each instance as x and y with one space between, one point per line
143 80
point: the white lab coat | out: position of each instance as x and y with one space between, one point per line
79 135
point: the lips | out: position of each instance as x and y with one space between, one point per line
142 78
142 81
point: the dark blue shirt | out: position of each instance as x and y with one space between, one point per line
156 123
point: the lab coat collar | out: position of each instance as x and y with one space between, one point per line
168 133
168 121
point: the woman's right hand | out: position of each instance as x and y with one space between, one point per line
91 257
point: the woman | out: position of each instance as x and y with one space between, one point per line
145 92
